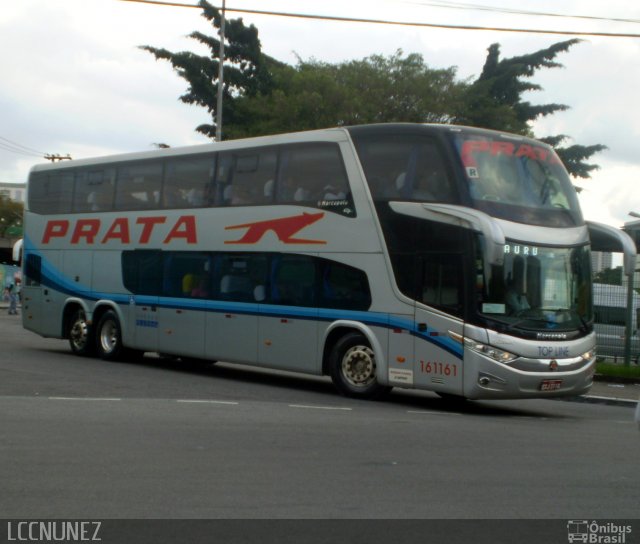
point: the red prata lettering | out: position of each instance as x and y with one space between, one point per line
57 228
185 228
119 230
149 223
85 228
469 147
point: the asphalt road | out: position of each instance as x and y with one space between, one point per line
83 438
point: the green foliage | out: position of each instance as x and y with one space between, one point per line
376 89
612 370
494 100
10 218
574 156
263 96
610 276
246 71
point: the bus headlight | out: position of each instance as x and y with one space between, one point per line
589 355
494 353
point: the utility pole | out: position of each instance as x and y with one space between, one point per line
57 157
220 77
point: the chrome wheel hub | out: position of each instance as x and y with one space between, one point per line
359 366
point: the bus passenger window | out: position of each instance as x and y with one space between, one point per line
314 174
406 167
441 285
344 287
186 274
293 281
94 190
138 187
250 178
241 278
188 182
51 194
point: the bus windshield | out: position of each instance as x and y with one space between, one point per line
518 180
538 288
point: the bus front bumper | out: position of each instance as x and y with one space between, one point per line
485 378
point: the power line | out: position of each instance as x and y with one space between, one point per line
477 7
15 147
397 23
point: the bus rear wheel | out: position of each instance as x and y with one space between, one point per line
353 368
80 335
109 337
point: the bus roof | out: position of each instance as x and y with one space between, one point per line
336 134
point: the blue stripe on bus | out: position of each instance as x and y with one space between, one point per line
52 278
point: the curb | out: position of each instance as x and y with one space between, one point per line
595 399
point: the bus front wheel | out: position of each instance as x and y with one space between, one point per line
109 337
353 368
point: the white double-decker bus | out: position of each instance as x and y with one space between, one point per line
432 257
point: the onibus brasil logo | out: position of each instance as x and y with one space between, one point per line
594 532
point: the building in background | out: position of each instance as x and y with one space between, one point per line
632 228
13 191
601 260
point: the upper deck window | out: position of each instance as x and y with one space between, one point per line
406 167
517 180
304 174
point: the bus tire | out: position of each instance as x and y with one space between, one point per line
109 337
80 335
352 365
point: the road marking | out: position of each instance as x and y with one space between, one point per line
309 407
433 413
204 401
93 399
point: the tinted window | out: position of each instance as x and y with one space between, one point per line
406 167
344 287
293 281
52 193
313 174
247 177
241 277
518 180
94 190
138 186
441 285
187 274
436 277
142 271
187 183
33 269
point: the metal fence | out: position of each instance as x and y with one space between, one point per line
614 307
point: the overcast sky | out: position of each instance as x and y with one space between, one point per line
74 81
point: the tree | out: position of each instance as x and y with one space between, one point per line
246 69
10 218
376 89
494 100
263 96
610 276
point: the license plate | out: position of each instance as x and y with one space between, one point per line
550 385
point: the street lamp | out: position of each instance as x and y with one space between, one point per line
634 214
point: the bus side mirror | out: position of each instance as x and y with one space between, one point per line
607 238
